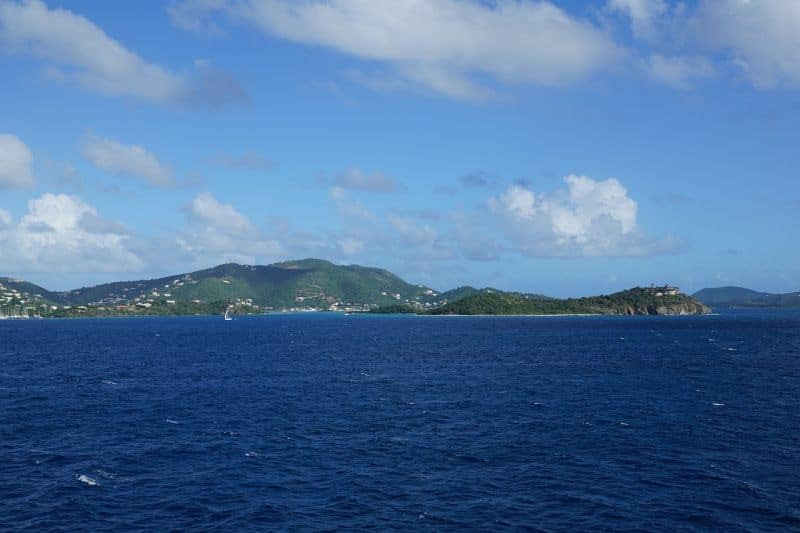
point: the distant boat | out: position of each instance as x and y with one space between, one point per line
227 313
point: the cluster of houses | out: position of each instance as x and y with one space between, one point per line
663 290
16 304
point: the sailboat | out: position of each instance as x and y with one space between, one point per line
227 313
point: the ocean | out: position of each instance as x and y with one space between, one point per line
323 421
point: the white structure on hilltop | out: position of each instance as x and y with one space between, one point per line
664 290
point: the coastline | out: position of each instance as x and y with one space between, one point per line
343 315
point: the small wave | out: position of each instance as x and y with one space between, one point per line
731 349
624 424
88 480
250 454
171 421
717 404
107 475
109 382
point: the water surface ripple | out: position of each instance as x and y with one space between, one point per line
429 423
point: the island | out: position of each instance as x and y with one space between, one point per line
315 285
637 301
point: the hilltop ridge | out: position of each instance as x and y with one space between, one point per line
742 297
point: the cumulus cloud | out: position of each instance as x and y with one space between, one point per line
212 213
126 160
75 49
16 163
63 233
216 232
587 218
445 46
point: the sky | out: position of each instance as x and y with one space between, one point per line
559 147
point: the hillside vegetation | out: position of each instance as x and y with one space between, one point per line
631 302
313 285
304 283
741 297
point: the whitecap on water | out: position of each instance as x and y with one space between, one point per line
250 454
717 404
109 382
171 421
88 480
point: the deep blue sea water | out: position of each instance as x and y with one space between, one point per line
318 421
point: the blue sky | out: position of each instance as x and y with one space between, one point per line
564 147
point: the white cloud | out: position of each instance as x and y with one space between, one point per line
350 246
190 16
357 180
126 160
588 217
643 14
689 41
213 213
348 207
86 55
5 219
472 237
16 163
62 233
216 232
443 45
423 241
761 38
680 72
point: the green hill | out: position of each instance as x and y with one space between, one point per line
314 284
636 301
458 293
741 297
308 283
32 291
